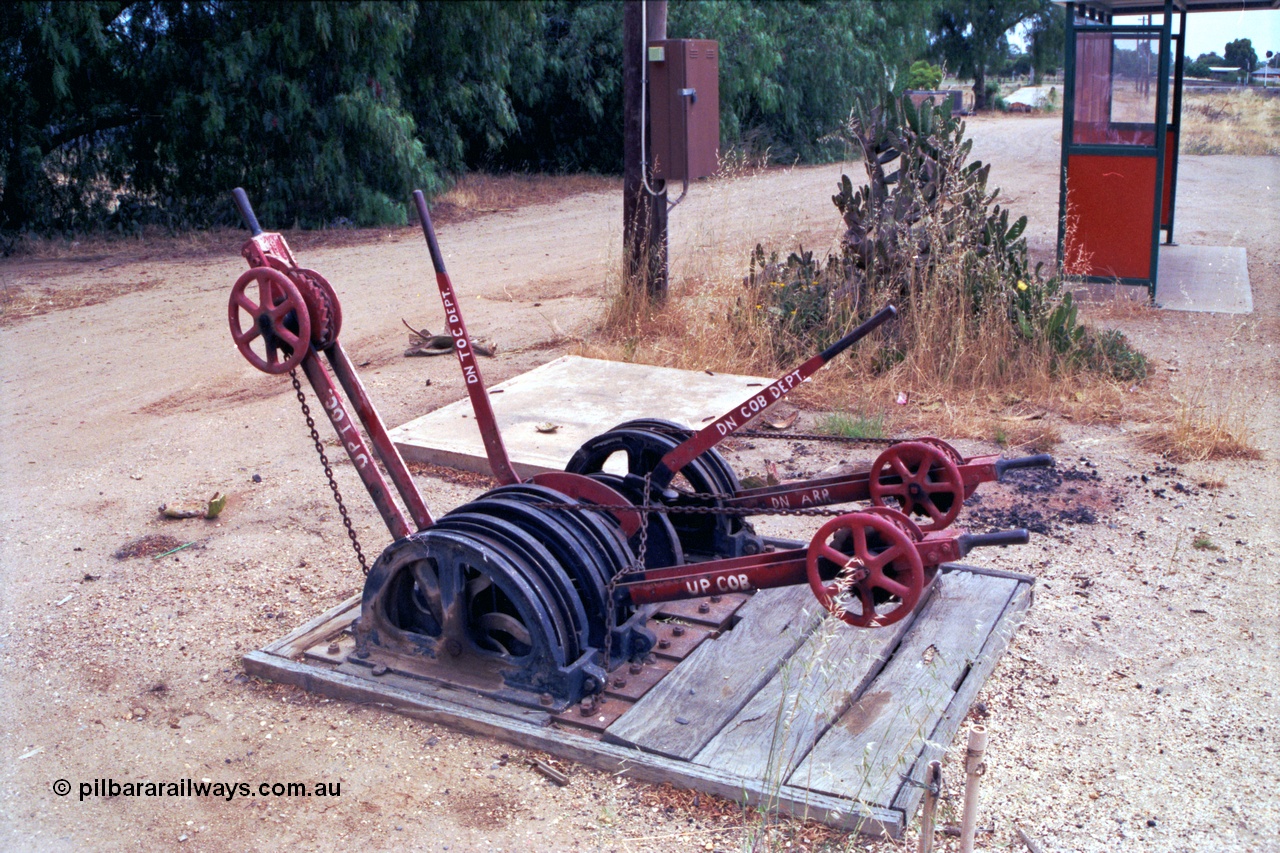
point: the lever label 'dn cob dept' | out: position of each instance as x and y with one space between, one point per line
759 403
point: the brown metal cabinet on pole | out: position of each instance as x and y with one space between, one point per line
684 108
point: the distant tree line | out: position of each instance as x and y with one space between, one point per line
1237 54
120 114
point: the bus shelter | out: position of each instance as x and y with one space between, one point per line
1121 114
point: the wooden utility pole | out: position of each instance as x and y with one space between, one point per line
644 216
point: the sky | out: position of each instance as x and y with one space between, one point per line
1209 32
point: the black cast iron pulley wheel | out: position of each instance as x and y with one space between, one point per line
538 566
279 320
640 450
574 550
715 465
662 541
598 527
507 611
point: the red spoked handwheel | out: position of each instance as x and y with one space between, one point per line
921 479
951 453
279 317
868 560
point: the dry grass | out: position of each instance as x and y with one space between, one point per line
690 330
473 195
1233 121
152 243
1128 303
1197 433
952 388
19 302
478 193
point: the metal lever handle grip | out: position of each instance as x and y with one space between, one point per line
424 216
246 211
968 541
883 315
1040 460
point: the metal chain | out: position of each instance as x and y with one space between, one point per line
637 565
811 512
328 472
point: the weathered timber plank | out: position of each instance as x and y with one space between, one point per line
687 708
644 767
390 690
878 738
782 721
908 797
303 637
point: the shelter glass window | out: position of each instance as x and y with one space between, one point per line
1116 83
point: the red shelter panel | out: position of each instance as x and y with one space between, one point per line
1166 194
1110 210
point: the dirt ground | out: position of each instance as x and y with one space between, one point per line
1137 708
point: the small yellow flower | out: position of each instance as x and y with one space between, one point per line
1022 285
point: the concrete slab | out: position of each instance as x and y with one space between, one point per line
584 396
1204 278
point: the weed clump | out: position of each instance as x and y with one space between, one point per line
855 426
926 234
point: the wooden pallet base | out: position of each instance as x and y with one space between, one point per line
757 699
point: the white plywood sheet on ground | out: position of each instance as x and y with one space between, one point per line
1204 278
583 397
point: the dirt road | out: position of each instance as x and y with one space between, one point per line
1136 710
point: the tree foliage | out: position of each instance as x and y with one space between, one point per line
568 99
1202 65
1046 36
153 110
116 114
924 75
297 102
1241 54
64 84
971 36
789 72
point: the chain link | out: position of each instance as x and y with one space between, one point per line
811 512
328 472
637 564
